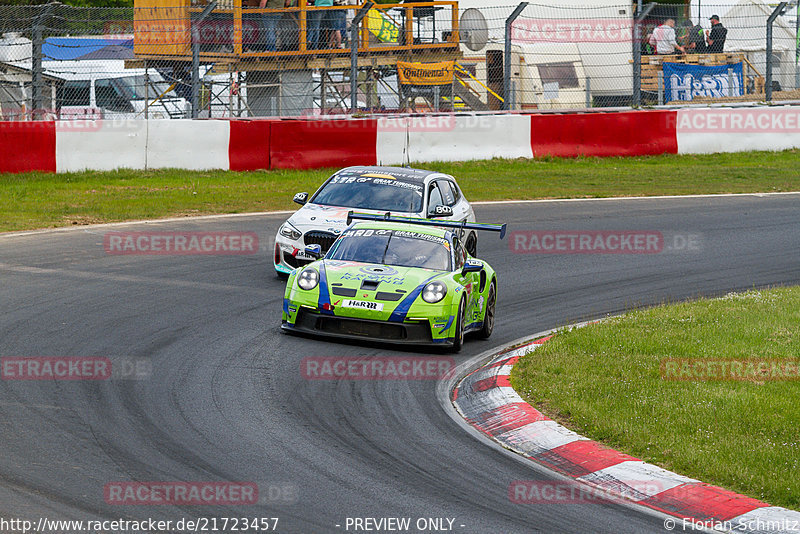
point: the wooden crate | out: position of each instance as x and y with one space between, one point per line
652 65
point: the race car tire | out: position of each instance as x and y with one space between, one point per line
488 318
458 339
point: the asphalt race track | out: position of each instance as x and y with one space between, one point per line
226 400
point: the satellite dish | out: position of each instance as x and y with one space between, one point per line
473 29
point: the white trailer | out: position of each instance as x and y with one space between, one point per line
553 78
598 33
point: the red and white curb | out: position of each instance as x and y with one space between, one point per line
488 403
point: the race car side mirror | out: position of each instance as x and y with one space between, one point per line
440 211
471 267
315 251
301 198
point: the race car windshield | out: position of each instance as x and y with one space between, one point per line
389 248
371 194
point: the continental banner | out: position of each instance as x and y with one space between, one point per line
432 81
425 73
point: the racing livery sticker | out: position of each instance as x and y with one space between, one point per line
363 305
377 179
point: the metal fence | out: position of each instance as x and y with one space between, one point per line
232 58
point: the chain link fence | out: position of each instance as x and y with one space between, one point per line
169 59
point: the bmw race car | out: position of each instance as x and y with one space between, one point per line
401 191
394 279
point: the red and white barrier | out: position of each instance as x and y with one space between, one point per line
100 145
311 143
187 144
324 142
627 133
709 131
453 138
249 145
27 146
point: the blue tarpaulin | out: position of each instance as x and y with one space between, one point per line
684 82
73 48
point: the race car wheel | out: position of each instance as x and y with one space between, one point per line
282 276
488 319
458 339
472 245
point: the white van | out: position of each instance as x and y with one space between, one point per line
105 89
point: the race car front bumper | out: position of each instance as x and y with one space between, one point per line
289 255
410 332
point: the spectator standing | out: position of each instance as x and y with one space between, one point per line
252 29
663 38
270 22
315 19
695 39
338 23
717 36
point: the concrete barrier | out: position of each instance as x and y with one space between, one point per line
708 131
100 145
188 144
27 146
249 145
319 143
627 133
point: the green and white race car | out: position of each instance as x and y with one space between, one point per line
397 280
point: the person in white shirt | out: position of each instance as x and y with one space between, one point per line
663 38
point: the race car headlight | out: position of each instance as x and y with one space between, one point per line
308 279
434 292
287 230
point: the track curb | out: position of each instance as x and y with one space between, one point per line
483 396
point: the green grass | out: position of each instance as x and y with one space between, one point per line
605 382
37 200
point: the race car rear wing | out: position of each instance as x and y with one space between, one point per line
388 217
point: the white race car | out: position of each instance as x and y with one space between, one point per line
398 190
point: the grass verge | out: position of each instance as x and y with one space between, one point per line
38 200
613 382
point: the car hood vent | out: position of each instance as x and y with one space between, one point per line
391 297
370 285
344 292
